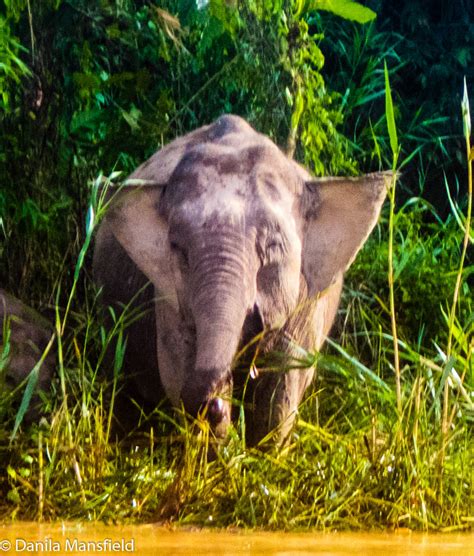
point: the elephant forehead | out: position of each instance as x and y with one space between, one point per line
229 183
214 196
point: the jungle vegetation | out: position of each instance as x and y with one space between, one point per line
91 89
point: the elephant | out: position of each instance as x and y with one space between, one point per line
24 335
223 238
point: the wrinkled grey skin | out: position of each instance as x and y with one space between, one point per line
28 335
235 239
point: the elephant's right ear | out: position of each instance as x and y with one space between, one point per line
339 215
135 221
134 217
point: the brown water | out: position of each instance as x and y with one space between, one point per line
73 538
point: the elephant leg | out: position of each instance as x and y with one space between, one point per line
128 287
272 403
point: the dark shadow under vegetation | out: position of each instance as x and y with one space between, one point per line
385 438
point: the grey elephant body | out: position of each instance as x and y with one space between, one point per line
226 238
28 334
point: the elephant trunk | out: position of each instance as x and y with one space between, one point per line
221 297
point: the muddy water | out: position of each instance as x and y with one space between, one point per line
73 538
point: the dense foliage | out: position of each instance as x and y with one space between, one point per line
429 47
96 87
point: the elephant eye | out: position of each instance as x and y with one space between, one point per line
270 247
180 253
274 251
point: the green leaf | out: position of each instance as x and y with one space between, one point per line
85 120
466 116
344 8
27 395
31 383
390 115
132 118
86 82
14 496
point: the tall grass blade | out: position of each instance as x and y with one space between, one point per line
30 388
466 114
447 418
390 114
364 371
392 131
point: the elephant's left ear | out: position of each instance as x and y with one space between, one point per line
340 214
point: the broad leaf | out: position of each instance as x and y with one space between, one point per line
344 8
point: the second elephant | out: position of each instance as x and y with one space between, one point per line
24 336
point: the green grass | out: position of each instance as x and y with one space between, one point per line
358 458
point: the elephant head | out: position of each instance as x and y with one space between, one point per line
234 236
